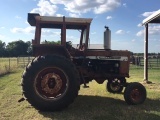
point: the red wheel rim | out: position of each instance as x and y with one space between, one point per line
51 83
136 95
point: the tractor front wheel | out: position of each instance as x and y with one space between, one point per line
135 93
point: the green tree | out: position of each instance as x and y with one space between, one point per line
17 48
51 42
2 48
29 50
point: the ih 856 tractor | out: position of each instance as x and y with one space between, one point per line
53 78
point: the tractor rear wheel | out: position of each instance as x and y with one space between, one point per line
50 83
135 93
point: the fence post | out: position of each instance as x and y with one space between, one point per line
9 64
28 59
23 62
17 61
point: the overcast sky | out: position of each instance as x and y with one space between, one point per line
124 18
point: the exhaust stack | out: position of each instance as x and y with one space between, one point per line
107 38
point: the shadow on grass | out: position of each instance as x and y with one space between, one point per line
104 108
11 71
7 73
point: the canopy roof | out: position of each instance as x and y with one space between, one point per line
154 18
57 22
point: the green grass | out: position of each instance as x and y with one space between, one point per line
93 103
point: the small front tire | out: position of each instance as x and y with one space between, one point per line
135 93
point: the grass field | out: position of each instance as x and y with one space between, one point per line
93 103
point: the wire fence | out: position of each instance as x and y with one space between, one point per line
23 61
153 62
11 63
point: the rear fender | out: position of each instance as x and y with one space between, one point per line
45 49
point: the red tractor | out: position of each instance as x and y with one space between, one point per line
53 78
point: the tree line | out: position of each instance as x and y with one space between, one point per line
15 48
19 48
149 54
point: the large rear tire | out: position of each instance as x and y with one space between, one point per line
135 93
50 83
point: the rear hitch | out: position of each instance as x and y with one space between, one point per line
85 86
21 100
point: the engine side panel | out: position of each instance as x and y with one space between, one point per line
101 65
